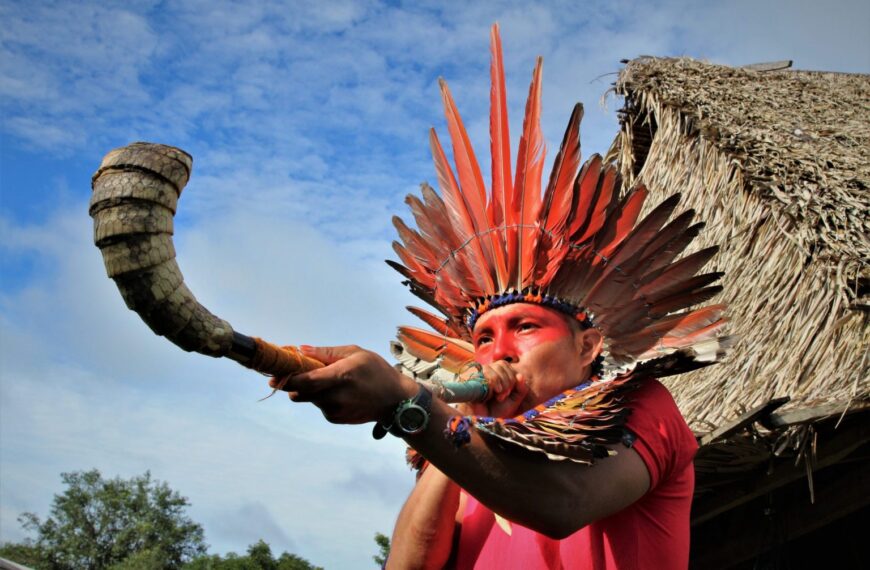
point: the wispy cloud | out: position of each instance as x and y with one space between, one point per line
85 384
254 521
308 124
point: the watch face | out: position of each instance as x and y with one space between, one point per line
413 419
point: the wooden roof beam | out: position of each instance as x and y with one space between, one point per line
759 413
837 445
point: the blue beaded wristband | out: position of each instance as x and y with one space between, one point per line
458 431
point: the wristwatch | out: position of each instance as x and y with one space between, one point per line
411 416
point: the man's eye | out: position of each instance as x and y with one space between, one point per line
527 326
483 340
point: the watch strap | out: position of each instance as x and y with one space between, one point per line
422 400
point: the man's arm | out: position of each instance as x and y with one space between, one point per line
423 537
555 498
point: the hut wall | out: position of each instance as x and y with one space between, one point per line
798 337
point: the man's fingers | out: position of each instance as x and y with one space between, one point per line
285 383
307 382
329 354
297 397
501 378
319 379
326 354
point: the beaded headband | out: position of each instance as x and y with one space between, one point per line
485 304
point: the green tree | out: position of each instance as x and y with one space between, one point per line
149 559
383 542
25 553
259 557
116 524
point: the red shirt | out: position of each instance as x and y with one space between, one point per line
653 533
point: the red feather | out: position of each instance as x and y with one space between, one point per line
676 326
628 318
420 272
437 215
586 189
639 238
426 346
558 197
499 135
527 185
461 220
678 341
455 354
403 271
467 169
671 279
683 300
473 189
622 222
603 198
670 240
442 326
660 260
416 245
434 224
429 231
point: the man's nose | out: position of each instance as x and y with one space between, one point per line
504 349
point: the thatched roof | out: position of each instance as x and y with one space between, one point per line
778 165
802 138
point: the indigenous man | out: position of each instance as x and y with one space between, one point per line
577 457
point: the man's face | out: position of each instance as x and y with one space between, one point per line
544 346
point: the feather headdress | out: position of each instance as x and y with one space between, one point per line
576 247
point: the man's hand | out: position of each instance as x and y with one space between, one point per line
355 386
507 389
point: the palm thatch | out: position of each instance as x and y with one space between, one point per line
778 165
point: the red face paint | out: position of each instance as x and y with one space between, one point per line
538 342
506 332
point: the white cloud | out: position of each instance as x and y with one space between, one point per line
87 385
308 126
254 521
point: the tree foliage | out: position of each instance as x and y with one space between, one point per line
25 553
135 524
383 542
259 557
112 524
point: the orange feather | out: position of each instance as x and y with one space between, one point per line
473 189
558 197
420 272
613 234
416 245
672 278
429 230
442 326
454 354
461 220
585 190
603 198
434 224
527 184
499 136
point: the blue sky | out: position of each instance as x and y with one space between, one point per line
308 126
